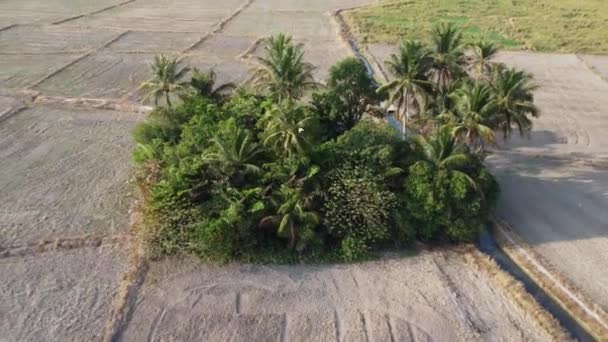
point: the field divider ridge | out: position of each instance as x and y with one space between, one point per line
61 244
82 15
76 60
220 26
515 291
588 314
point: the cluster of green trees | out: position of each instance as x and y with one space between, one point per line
285 168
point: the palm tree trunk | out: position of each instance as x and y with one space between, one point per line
407 112
292 237
167 98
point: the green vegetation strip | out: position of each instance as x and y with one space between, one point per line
287 170
537 25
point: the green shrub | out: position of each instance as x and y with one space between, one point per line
224 238
445 204
359 207
350 93
253 178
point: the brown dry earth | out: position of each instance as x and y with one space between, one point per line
555 181
68 70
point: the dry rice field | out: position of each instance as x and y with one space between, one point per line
65 195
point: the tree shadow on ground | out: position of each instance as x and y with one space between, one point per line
553 198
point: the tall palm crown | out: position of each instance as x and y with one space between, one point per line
167 75
441 150
295 218
283 73
288 129
514 99
204 84
234 155
479 63
473 115
410 66
448 53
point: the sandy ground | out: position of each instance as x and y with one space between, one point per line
555 181
431 297
64 175
59 296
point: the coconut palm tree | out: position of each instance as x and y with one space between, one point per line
472 117
283 73
166 79
204 84
441 150
234 154
410 66
514 99
479 63
294 217
448 53
288 129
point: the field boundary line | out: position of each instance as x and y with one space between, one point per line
82 15
76 60
92 103
590 68
219 27
573 300
8 27
514 291
123 303
60 69
9 113
61 244
38 98
246 55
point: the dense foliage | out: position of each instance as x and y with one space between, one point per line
265 176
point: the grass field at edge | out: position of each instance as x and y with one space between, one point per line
539 25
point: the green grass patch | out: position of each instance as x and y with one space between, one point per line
537 25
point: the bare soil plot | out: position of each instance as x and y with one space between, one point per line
20 71
265 23
59 296
225 46
48 11
102 74
428 297
57 6
46 40
64 173
161 15
153 42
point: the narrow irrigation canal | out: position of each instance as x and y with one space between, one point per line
488 245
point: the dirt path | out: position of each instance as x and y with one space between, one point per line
69 268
